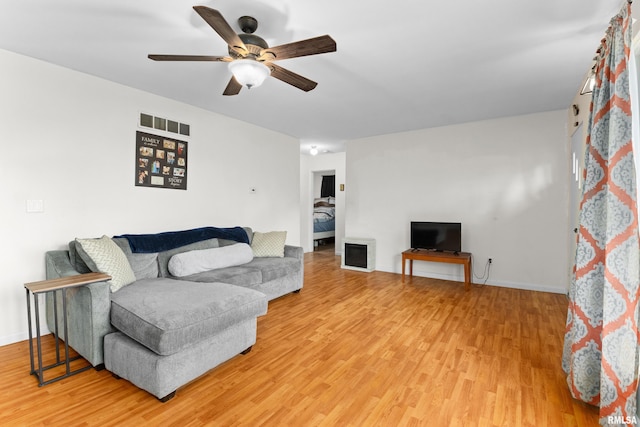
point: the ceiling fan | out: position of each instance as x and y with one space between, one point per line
250 59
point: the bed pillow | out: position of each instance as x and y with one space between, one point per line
323 205
269 244
197 261
103 255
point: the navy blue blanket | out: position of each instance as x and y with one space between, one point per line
159 242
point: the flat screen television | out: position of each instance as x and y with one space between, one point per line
436 236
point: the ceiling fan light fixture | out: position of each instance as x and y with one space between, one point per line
313 150
248 72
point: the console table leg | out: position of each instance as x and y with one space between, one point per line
66 331
38 341
30 333
467 276
55 327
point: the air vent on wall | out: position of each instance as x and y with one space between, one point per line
160 123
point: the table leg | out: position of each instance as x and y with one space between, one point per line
38 341
467 275
54 295
30 333
403 262
66 330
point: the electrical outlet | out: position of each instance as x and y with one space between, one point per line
490 260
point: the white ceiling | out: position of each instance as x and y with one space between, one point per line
400 65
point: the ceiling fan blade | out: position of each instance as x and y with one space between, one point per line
190 58
292 78
314 46
233 87
222 27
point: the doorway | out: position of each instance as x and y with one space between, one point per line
323 217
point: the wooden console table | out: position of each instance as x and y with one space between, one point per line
463 258
53 285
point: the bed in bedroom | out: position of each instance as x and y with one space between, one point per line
324 219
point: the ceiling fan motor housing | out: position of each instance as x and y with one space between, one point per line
248 24
254 44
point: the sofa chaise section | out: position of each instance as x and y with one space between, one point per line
172 331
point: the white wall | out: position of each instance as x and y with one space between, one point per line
505 180
69 140
308 165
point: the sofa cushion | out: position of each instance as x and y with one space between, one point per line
192 262
269 244
168 315
144 265
164 257
103 255
274 268
241 275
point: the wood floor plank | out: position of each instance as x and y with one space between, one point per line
351 349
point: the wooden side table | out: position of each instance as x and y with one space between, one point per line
53 285
463 258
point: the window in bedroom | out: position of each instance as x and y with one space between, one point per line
328 186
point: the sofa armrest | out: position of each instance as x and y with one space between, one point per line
294 252
298 253
88 309
58 264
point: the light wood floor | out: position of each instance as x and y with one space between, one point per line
352 349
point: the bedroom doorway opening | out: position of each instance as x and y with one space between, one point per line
324 210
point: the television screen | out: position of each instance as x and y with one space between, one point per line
436 236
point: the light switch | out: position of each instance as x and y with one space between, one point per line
35 206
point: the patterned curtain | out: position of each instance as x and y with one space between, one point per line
601 342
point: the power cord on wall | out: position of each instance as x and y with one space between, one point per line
485 273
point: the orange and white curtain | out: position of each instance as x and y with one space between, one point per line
601 341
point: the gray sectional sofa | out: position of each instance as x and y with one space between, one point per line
174 314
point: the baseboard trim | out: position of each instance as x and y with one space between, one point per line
21 336
527 287
498 283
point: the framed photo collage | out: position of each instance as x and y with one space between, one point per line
160 161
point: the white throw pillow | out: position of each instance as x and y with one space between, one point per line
192 262
269 244
105 256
